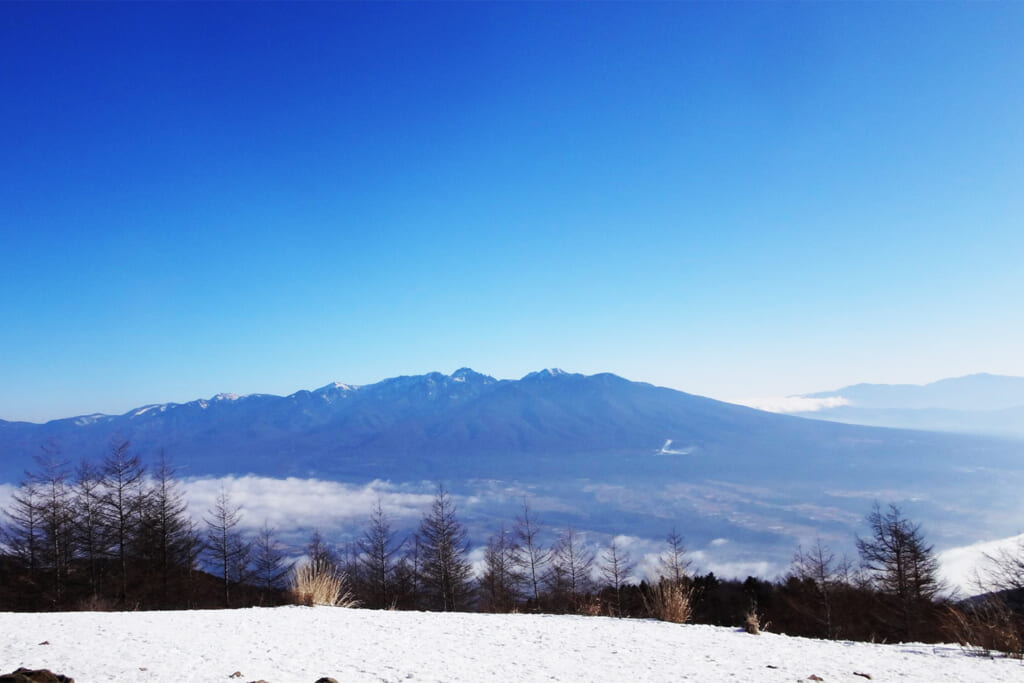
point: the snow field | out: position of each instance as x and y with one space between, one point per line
301 644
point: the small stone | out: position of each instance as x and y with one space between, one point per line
325 679
815 677
35 676
237 674
862 675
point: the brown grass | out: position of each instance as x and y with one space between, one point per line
752 623
670 601
319 583
987 627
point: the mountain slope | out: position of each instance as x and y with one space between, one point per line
467 425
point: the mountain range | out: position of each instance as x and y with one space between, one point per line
604 453
976 404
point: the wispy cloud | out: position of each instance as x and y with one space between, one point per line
794 404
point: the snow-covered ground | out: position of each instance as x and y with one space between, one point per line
303 644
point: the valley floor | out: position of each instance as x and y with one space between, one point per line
302 644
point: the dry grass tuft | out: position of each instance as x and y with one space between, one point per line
589 607
670 601
752 623
320 583
986 627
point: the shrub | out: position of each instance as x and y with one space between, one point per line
320 583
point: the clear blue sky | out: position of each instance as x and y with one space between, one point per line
734 200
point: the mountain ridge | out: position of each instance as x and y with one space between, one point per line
618 456
980 403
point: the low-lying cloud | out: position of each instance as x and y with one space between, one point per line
292 504
794 404
962 568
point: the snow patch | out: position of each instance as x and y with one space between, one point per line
794 404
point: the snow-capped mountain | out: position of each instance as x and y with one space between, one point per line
603 452
464 425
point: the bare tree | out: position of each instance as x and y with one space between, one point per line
409 574
379 547
165 539
226 547
122 504
531 555
499 583
445 550
617 568
674 562
1004 569
91 541
901 565
320 553
270 569
571 566
55 500
819 567
23 531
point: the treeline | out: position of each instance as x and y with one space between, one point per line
112 535
107 535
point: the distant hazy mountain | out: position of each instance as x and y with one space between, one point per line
599 452
980 404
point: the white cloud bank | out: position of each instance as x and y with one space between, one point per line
960 567
291 504
794 404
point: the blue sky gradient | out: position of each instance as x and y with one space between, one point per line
735 200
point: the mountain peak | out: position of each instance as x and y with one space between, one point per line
470 375
546 373
335 386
